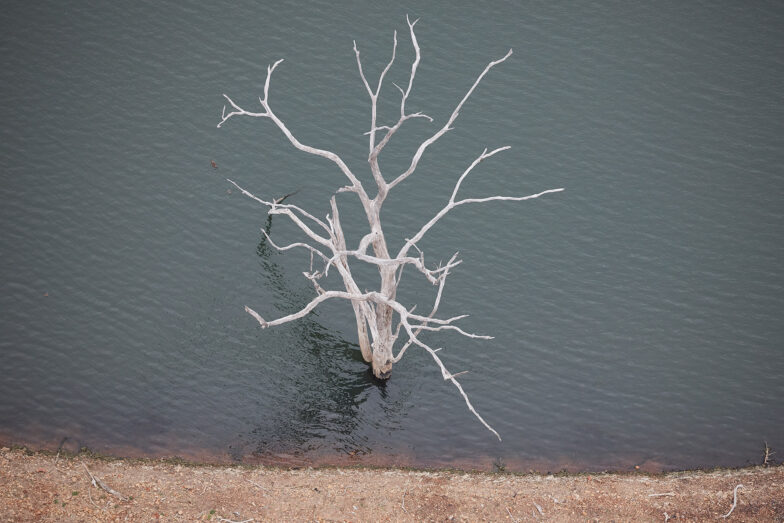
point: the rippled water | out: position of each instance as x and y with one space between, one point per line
637 315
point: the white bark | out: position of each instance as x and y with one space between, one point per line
375 311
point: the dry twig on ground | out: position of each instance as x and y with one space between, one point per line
98 483
734 501
218 518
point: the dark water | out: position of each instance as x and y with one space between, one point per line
637 315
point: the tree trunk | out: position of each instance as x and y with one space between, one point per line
362 334
382 345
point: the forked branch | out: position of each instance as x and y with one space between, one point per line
355 186
447 126
452 203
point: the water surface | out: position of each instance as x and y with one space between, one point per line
637 315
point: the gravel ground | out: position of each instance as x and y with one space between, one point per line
43 487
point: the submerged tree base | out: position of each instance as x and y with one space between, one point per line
381 375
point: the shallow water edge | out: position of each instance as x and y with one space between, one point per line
68 447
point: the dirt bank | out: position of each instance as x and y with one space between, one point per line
42 487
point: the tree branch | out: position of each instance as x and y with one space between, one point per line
436 304
312 249
447 125
240 111
277 208
375 297
414 66
431 275
507 198
356 185
361 73
275 204
375 151
391 130
454 328
404 315
448 376
452 203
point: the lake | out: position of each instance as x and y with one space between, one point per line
636 315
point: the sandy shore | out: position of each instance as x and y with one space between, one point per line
44 487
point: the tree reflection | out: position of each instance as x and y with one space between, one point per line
327 383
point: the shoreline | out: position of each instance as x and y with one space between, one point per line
44 486
280 463
288 458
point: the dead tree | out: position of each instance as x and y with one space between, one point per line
376 311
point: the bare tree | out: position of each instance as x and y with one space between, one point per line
376 311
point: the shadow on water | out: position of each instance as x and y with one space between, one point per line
332 400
